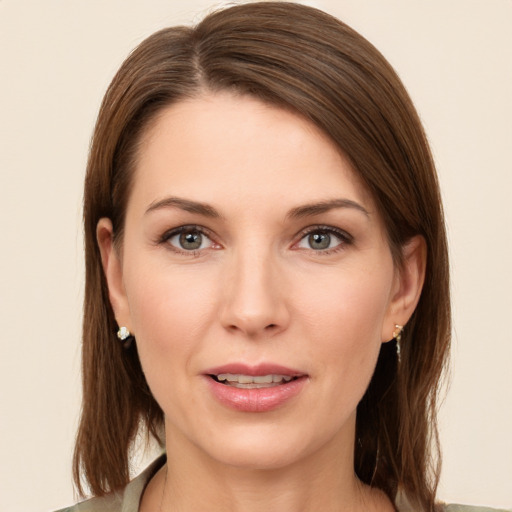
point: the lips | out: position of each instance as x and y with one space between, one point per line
258 388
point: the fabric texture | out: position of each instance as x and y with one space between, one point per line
128 500
468 508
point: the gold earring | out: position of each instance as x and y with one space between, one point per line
397 333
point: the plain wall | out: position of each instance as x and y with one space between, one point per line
57 58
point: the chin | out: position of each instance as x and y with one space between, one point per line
270 446
256 456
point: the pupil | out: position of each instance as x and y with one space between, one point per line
319 240
190 241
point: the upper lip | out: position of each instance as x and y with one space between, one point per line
255 370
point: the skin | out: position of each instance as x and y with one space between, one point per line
257 290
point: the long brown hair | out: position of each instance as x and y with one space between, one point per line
302 59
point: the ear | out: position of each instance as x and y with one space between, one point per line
409 279
113 269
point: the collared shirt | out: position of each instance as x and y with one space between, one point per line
128 499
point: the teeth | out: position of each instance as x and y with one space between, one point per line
250 381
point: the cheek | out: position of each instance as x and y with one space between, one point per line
350 304
170 313
170 309
344 314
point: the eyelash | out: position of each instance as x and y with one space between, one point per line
191 228
343 236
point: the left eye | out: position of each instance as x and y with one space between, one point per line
190 240
320 240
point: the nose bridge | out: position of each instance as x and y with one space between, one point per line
254 303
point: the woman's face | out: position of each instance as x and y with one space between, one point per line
257 279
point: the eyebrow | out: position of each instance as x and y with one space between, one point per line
312 209
307 210
186 205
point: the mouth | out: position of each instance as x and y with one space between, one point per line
242 381
261 388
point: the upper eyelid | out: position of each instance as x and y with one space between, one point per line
320 227
187 227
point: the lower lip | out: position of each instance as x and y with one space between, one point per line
255 399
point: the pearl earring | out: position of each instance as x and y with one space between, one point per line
125 336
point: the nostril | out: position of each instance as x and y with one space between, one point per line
271 326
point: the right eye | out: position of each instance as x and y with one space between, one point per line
188 239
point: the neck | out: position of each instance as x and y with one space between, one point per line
191 480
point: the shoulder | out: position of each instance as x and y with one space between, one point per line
109 503
469 508
125 500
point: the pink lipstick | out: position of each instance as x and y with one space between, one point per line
259 388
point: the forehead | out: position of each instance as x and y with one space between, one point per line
221 147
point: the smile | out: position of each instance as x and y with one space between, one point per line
252 381
260 388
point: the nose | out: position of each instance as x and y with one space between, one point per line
255 302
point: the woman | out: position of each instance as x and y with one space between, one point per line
264 233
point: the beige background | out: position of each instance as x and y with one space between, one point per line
56 59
